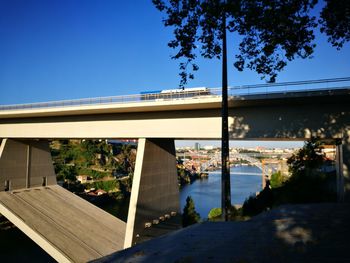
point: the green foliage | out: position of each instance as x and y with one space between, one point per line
108 186
189 216
55 152
248 151
257 204
214 213
277 179
93 173
186 176
67 172
125 186
307 189
183 176
272 32
234 214
307 183
335 22
307 160
66 154
127 158
91 157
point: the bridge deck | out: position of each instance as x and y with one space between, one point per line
66 226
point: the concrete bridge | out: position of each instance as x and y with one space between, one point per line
31 199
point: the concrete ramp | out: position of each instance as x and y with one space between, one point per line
67 227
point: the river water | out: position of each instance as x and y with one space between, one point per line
206 193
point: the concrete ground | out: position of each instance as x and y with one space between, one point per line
290 233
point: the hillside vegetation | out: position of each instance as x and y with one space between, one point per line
100 164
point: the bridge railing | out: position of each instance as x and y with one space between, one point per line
285 87
150 97
288 87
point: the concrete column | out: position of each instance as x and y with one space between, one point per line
339 170
25 164
346 170
28 166
155 190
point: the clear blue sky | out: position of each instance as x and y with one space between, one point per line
66 49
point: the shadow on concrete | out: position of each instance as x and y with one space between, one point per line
15 246
147 214
290 233
156 230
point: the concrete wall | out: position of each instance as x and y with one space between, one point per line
155 190
165 124
291 121
25 163
346 170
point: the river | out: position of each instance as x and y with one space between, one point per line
206 193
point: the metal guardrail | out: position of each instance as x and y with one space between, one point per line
288 87
114 100
284 87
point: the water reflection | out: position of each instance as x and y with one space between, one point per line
207 193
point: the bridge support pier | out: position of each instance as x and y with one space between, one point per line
25 164
345 148
155 190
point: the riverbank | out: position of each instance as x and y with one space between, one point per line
207 193
188 176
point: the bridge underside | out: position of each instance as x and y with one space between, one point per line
67 227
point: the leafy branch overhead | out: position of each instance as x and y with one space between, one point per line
335 22
272 32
